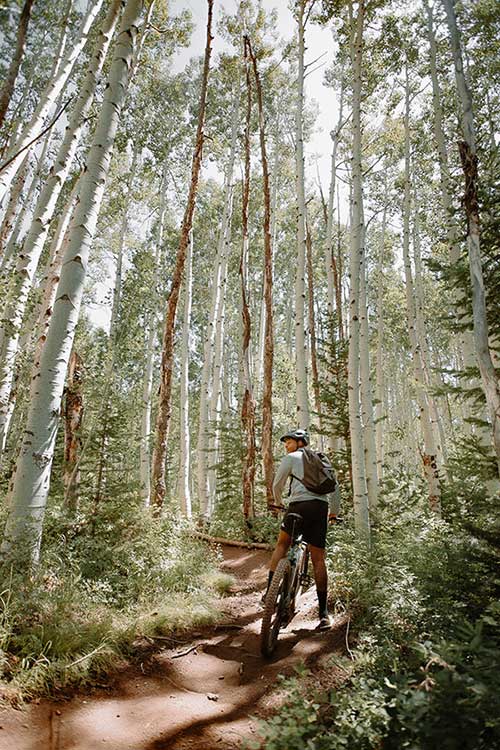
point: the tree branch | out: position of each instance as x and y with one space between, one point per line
37 137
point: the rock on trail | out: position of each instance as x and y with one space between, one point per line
200 696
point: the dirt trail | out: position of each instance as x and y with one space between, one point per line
202 700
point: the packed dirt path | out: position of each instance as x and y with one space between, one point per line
199 696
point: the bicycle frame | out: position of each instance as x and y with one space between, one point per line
290 576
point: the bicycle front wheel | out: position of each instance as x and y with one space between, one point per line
274 607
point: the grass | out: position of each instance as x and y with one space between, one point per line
59 641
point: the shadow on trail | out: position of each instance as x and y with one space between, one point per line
256 680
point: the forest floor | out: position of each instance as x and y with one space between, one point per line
205 694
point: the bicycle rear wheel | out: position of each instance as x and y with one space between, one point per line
274 607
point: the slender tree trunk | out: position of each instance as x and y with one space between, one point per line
217 295
17 58
267 393
329 251
73 415
429 456
51 278
184 438
46 204
338 274
147 383
23 220
13 204
215 403
303 417
10 327
431 382
366 392
312 333
248 402
31 481
47 99
36 330
164 405
380 412
360 492
468 156
274 189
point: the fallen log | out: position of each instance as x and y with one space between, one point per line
231 542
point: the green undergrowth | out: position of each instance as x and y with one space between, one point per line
424 636
100 594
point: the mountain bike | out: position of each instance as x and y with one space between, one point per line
290 580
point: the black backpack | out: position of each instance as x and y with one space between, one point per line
319 474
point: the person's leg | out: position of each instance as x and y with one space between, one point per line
321 578
282 546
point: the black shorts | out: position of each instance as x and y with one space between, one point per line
315 515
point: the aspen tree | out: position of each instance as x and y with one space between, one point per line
164 405
435 417
312 330
468 156
380 411
23 221
13 203
184 489
465 340
267 390
329 252
248 402
10 324
274 188
52 276
147 383
215 402
300 337
429 456
17 58
48 98
360 492
366 390
33 244
217 299
32 476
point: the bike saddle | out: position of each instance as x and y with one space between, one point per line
292 524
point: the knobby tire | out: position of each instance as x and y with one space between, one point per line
271 620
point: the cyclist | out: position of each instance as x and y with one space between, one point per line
316 511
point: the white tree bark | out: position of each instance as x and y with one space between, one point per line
259 370
147 383
360 491
429 457
430 378
335 136
218 289
465 339
48 98
366 390
215 404
23 219
184 483
380 411
30 487
51 278
33 244
302 396
468 154
13 204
